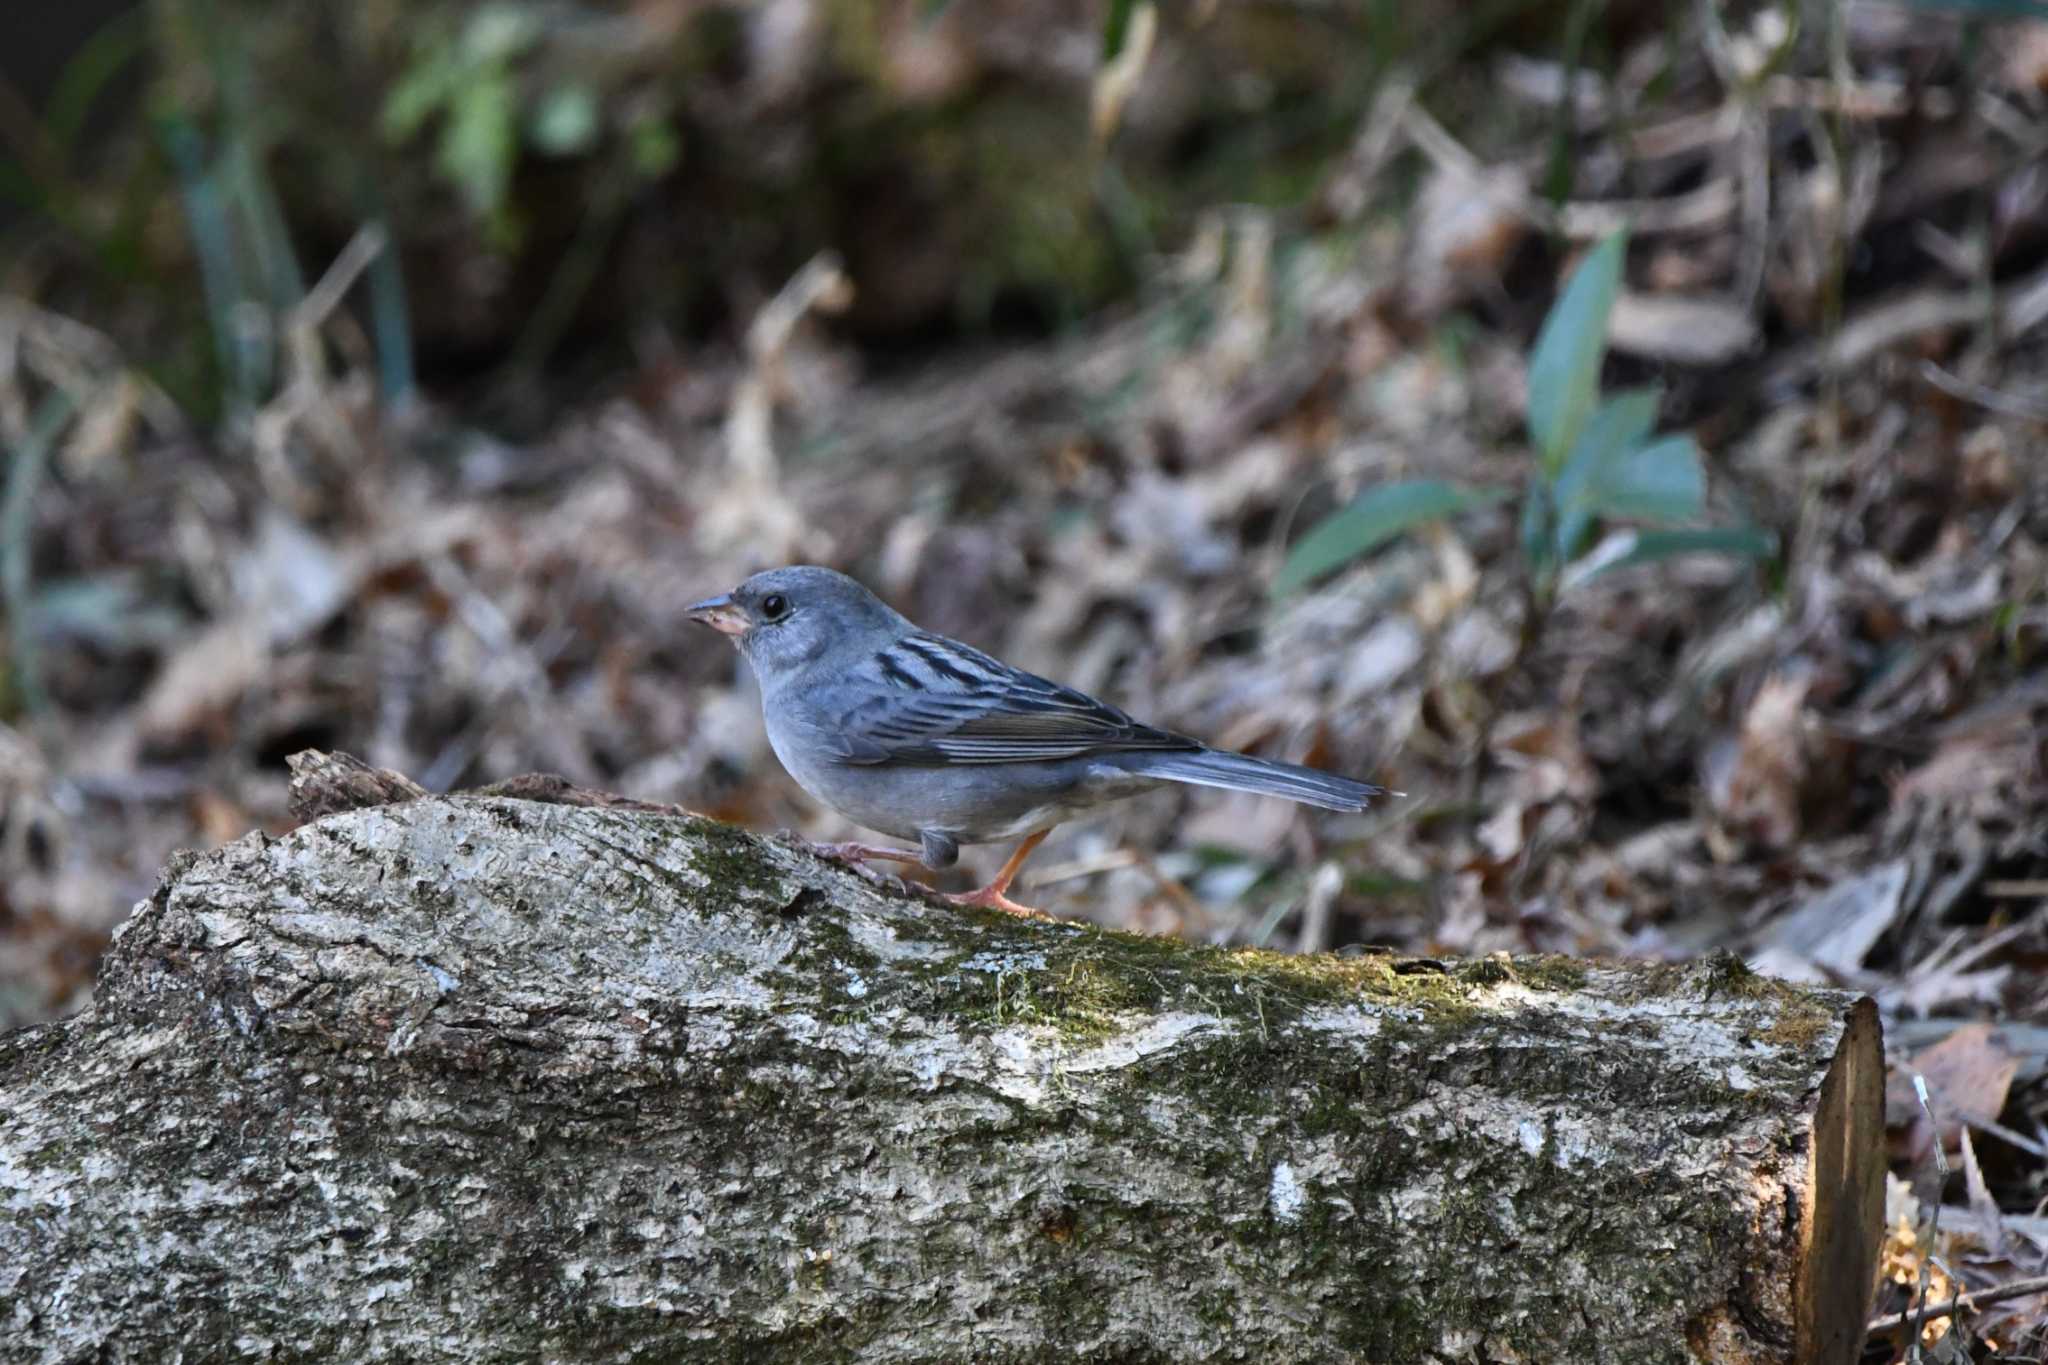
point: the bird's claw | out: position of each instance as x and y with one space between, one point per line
854 857
990 898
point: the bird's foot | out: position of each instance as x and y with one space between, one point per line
863 853
853 854
858 858
992 898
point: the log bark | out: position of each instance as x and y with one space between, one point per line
483 1078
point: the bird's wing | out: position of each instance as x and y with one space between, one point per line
936 701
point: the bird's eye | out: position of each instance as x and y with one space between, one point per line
775 606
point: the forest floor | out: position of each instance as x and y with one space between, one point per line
1831 761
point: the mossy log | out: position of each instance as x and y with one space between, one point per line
485 1078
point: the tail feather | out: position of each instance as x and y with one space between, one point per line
1243 773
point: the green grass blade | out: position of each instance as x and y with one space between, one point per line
391 323
25 469
1116 26
213 242
90 73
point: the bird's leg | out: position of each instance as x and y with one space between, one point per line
992 895
852 852
855 857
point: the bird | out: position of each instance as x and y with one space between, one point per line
924 738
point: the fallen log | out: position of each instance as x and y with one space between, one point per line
486 1078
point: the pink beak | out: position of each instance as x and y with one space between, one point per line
720 613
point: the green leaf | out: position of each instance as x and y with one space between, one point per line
499 32
19 187
1564 369
656 148
1661 481
1617 426
420 91
1538 524
1116 25
481 140
90 73
1650 547
566 122
1370 522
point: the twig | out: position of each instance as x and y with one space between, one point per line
324 297
1705 207
1934 1220
1982 395
1315 909
762 513
1169 886
570 282
306 403
1966 1301
2021 306
1113 861
1842 96
1347 189
2011 1137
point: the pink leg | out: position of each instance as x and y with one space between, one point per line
861 853
993 895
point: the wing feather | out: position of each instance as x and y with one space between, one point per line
937 701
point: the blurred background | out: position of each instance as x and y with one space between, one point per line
386 377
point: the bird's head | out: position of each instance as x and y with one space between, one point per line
785 618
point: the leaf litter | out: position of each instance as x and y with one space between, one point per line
1832 759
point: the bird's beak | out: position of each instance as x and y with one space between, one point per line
720 613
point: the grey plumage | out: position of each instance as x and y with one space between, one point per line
1262 777
926 738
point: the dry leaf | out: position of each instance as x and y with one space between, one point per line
1755 786
1118 79
1907 1254
1990 1226
1968 1077
2026 57
1828 937
1690 331
1468 224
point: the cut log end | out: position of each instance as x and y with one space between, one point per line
1844 1205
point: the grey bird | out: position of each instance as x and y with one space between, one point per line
924 738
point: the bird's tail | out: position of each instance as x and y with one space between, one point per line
1243 773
